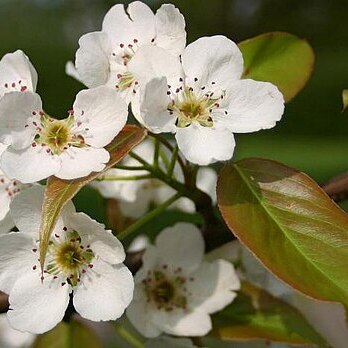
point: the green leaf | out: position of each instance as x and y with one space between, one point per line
289 223
256 314
345 99
68 335
280 58
59 192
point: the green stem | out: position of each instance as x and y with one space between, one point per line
170 147
173 161
126 335
193 193
118 166
148 217
156 153
125 178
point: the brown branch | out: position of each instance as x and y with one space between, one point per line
337 187
4 304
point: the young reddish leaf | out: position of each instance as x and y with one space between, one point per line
289 223
59 192
256 314
281 58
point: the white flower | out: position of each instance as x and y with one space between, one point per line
83 259
176 290
40 146
8 190
104 57
208 101
16 73
136 196
11 338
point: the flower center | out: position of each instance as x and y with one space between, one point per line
189 106
125 81
166 292
57 135
69 258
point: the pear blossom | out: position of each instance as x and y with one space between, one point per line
136 196
84 261
11 338
8 190
40 146
208 101
176 290
17 73
104 57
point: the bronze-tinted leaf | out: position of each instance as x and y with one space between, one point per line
289 223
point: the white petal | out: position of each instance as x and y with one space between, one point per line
253 105
17 73
231 251
327 318
139 243
15 110
153 107
170 29
181 245
11 338
103 111
92 59
7 224
150 62
71 70
206 181
104 292
102 242
16 258
213 286
5 201
179 323
79 162
26 210
205 145
29 165
125 190
140 314
124 28
37 306
139 206
213 59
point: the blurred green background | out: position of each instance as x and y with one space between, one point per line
312 134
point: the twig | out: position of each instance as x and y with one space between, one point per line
337 187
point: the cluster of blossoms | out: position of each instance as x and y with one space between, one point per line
138 59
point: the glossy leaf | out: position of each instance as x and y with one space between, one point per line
68 335
59 192
345 99
289 223
281 58
256 314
